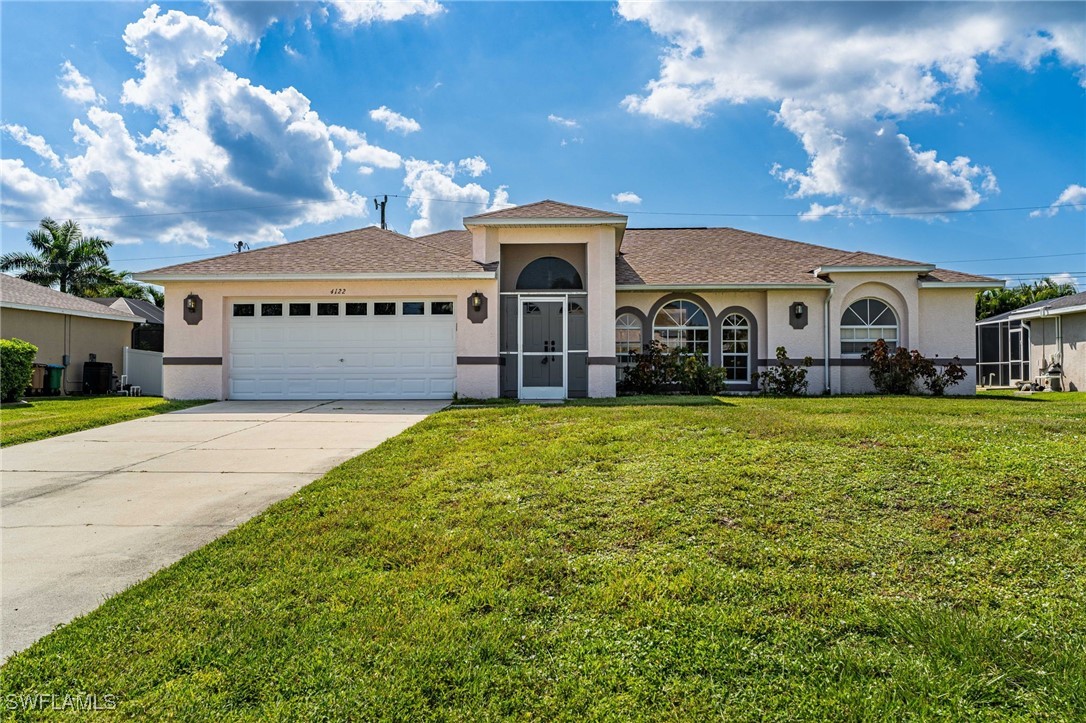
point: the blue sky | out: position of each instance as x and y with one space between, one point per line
839 124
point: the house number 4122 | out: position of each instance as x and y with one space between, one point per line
338 291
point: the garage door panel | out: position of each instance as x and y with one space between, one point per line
394 357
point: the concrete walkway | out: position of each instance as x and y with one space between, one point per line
89 514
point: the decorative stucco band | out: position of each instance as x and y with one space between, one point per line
193 360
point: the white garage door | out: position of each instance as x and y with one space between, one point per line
350 349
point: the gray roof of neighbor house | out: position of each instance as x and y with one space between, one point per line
18 294
545 209
649 256
151 313
1063 302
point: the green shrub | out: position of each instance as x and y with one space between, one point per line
695 376
654 369
897 372
786 379
16 367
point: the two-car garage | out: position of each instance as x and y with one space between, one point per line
341 348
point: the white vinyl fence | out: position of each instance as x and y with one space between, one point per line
144 368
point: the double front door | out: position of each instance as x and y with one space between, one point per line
543 359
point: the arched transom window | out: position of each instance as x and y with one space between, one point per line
549 273
627 339
865 322
735 347
683 325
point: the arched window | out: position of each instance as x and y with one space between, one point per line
627 339
735 347
549 273
865 322
683 325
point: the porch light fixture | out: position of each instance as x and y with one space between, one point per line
190 303
799 309
476 300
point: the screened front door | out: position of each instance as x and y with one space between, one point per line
542 349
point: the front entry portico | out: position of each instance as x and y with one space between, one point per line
543 346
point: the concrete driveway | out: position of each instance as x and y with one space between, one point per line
87 515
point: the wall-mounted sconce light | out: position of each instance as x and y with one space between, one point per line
797 315
194 309
477 307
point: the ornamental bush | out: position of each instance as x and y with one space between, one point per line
16 367
654 369
787 379
898 372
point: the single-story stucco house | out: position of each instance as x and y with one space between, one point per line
66 329
1022 345
541 301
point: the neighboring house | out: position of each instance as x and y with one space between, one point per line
65 328
1021 345
148 335
541 301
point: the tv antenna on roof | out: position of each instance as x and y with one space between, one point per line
240 246
380 206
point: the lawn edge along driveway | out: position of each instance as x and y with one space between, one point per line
44 417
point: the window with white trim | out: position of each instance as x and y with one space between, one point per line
865 322
683 325
735 348
627 339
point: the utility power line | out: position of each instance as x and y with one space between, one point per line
703 214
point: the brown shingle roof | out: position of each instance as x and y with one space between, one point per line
545 209
711 256
363 251
950 277
18 293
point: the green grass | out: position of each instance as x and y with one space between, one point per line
828 558
51 416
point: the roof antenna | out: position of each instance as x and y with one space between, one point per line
240 246
380 205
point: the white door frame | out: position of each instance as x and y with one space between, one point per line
524 392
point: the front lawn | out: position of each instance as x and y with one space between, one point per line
826 558
45 417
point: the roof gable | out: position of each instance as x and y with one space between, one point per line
546 209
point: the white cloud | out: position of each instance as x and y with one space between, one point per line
566 141
1064 278
75 86
1073 197
219 141
627 197
566 122
21 135
474 166
442 203
817 212
247 20
865 67
354 12
393 121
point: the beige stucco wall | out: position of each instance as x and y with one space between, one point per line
936 321
592 250
77 336
210 337
1046 340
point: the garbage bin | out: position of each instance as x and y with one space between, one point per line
37 378
54 379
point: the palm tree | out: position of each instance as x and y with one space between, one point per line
63 257
997 301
